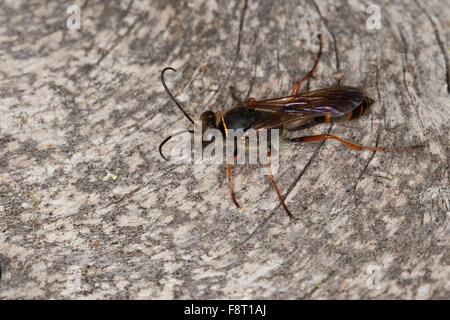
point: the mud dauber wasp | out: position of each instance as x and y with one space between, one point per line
295 112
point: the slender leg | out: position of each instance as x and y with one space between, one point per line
237 99
230 183
234 96
310 73
275 186
352 145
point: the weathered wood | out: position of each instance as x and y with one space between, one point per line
84 194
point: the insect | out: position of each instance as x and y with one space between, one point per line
294 112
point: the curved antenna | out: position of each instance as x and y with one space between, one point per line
168 138
171 96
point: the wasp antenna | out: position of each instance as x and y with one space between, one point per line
171 96
168 138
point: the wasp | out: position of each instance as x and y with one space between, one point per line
294 112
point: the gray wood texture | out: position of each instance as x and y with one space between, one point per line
88 209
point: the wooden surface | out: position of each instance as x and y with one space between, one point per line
88 209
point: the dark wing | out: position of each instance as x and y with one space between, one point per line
333 102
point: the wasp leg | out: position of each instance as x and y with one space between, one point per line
349 144
310 73
230 183
234 96
237 99
269 170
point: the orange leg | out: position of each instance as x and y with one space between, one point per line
237 99
230 184
310 73
276 188
352 145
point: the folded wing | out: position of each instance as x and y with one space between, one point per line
333 102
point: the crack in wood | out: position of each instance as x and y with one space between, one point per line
325 23
367 164
382 103
405 61
440 44
241 26
118 41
